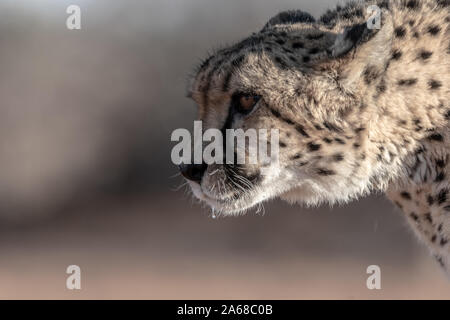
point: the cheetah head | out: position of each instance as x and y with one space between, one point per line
306 79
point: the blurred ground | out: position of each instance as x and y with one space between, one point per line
124 251
85 123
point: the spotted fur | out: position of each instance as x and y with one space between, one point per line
358 109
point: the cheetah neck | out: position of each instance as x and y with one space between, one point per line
407 100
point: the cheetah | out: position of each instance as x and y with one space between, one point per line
359 110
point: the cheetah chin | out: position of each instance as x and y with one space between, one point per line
359 110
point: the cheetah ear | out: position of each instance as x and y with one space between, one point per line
350 38
358 46
288 18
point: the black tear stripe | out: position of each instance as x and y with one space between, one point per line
229 120
228 125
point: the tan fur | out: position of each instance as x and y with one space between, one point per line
358 110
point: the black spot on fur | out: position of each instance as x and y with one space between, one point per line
405 195
414 216
298 45
443 3
338 157
301 130
370 74
440 163
320 128
442 196
407 82
281 62
400 32
430 200
433 30
381 88
331 127
384 4
420 150
434 84
288 121
325 172
396 54
313 146
436 137
313 50
412 4
425 54
440 177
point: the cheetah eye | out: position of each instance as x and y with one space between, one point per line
245 102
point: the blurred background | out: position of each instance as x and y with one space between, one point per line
86 176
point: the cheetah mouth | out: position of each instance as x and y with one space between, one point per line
232 203
231 206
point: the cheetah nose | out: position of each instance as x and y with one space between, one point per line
193 172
